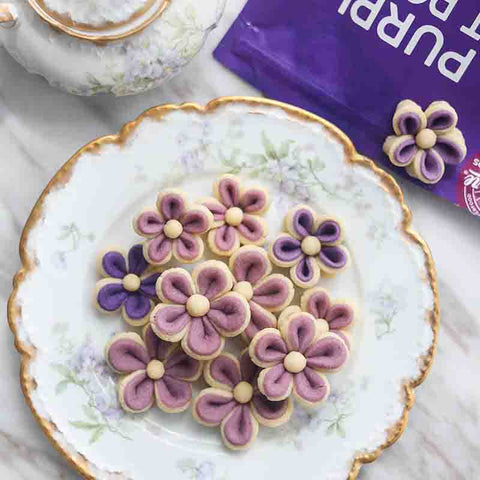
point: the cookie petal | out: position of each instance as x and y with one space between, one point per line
285 251
400 150
299 331
227 190
223 372
252 230
428 166
274 292
171 204
328 353
110 295
136 260
240 428
306 273
271 414
230 314
180 365
268 348
441 117
156 347
188 248
409 118
310 387
299 221
216 209
147 285
170 322
212 279
451 147
316 301
254 200
328 231
212 405
259 319
340 315
158 250
202 341
333 258
275 383
175 286
137 308
148 224
126 353
224 240
136 392
197 220
250 264
172 395
113 264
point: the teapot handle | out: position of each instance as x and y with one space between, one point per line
8 18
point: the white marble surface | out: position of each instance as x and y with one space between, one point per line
41 127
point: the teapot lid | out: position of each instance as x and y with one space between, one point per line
99 20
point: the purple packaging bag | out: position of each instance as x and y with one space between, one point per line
353 61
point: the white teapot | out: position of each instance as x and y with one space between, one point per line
117 46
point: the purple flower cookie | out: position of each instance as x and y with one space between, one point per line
156 371
174 229
293 357
236 216
234 402
265 293
311 246
425 141
199 309
334 317
128 285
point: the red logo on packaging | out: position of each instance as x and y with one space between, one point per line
468 192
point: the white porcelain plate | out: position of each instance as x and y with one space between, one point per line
300 158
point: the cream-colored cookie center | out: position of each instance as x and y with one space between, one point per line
131 282
234 216
173 229
294 362
243 392
245 289
198 305
155 370
311 246
322 326
426 139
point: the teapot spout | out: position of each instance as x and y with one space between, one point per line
8 15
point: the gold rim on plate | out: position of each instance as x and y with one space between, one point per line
99 34
78 461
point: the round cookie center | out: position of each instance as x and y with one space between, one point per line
243 392
155 370
295 362
173 229
322 325
245 289
131 282
234 216
198 305
311 246
426 139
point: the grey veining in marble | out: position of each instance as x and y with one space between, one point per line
40 128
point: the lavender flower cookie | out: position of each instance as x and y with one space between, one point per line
199 309
334 317
128 286
236 216
156 371
234 402
265 293
311 246
425 141
293 357
174 229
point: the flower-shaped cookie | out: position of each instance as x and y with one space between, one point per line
330 317
311 246
235 403
293 357
265 293
155 371
174 229
127 287
236 216
199 309
425 141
